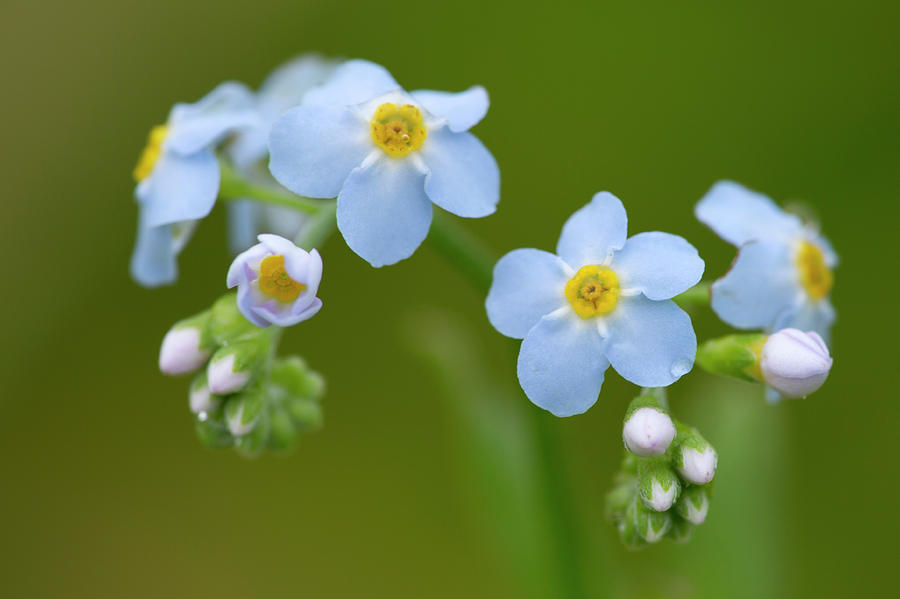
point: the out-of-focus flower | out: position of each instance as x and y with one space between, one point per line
386 155
283 89
178 177
782 277
600 301
277 282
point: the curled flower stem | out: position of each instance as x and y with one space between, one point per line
233 186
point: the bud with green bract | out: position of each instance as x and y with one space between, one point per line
658 485
652 525
733 355
693 456
212 431
243 411
297 379
628 530
201 398
648 430
693 504
253 443
282 430
226 323
232 366
186 347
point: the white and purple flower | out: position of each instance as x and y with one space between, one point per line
277 282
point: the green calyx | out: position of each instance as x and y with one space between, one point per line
733 355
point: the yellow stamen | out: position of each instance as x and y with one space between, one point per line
398 130
276 283
593 290
815 276
151 153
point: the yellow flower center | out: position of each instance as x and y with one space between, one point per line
276 283
815 276
398 130
593 290
151 153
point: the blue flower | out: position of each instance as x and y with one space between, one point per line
601 300
277 282
283 89
386 155
782 276
178 177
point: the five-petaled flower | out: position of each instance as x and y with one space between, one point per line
277 282
386 155
782 276
177 177
602 300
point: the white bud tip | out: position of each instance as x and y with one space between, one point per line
698 467
237 427
659 499
795 363
202 400
648 432
180 352
222 377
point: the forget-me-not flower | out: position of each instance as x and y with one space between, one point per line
386 155
277 282
601 300
283 89
782 276
178 177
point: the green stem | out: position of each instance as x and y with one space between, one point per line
233 186
476 262
318 228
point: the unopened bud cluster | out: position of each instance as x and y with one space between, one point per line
664 486
242 396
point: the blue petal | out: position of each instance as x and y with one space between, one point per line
462 110
659 265
193 127
561 364
528 284
354 82
739 215
242 225
464 178
761 284
650 343
180 188
383 212
153 259
313 149
593 231
808 316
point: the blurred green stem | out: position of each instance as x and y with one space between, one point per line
233 186
695 297
476 262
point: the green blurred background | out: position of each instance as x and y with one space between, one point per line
106 492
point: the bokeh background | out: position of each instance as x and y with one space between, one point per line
104 490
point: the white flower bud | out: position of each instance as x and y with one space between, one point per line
658 485
202 399
222 377
795 363
648 432
696 466
237 424
660 499
180 352
693 505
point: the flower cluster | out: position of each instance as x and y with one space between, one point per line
665 485
242 397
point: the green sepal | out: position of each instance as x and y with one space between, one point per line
249 354
628 531
282 430
651 525
660 470
649 398
306 413
297 379
201 322
685 436
695 495
227 324
733 355
212 431
253 443
246 408
681 529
